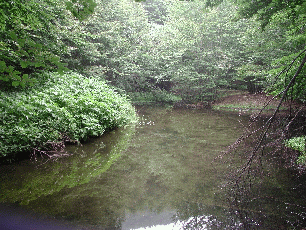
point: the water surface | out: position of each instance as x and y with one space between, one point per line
160 173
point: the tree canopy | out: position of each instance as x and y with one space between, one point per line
30 36
265 10
190 47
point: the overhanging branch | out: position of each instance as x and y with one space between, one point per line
269 122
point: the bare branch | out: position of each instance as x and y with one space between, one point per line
269 122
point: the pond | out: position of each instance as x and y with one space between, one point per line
162 173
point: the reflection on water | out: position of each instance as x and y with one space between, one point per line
158 174
150 220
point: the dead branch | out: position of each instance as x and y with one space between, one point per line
270 120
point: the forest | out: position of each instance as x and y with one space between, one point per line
72 69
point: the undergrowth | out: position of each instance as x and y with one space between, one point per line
299 144
62 107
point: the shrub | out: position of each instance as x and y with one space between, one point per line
299 144
62 106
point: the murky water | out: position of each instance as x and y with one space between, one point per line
158 174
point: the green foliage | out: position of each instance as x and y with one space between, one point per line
31 37
210 45
264 10
64 105
29 42
198 46
178 47
278 82
292 44
299 144
282 38
156 11
100 45
81 9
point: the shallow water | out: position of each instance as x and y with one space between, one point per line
160 173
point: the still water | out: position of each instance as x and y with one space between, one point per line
161 173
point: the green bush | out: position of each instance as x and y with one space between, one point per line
299 144
63 105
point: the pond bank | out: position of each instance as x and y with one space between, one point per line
248 103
